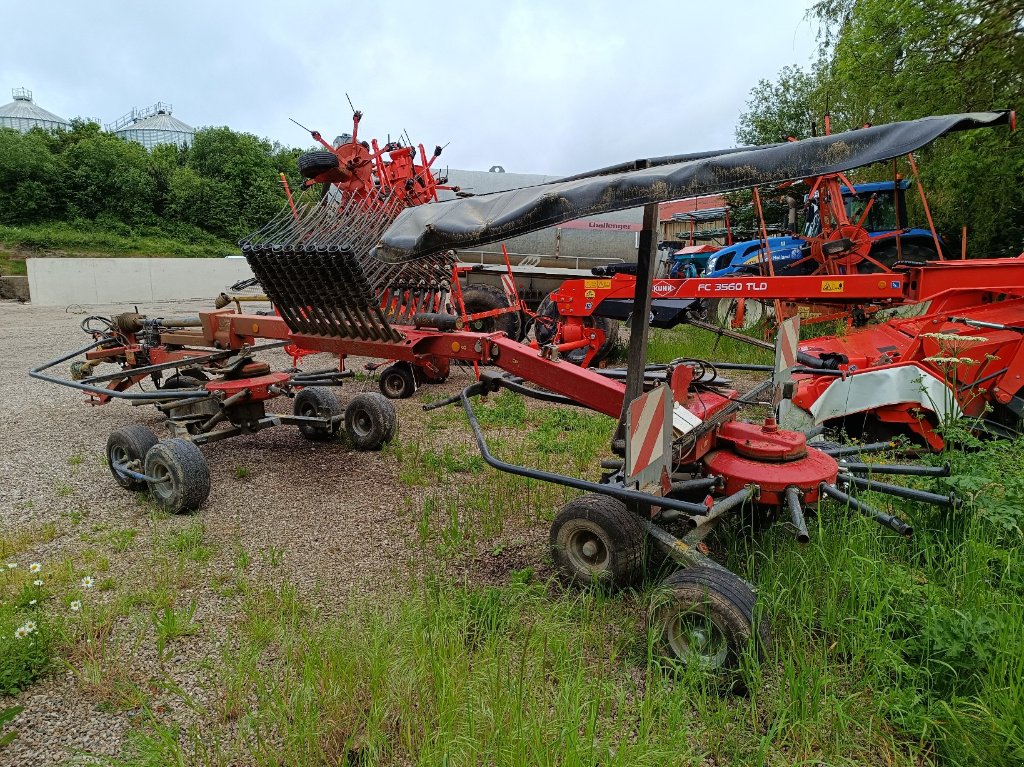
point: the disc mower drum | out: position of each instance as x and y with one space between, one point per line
179 477
597 541
370 421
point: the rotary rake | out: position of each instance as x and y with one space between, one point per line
687 463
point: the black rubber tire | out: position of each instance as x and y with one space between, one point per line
755 313
544 332
885 253
485 298
130 443
615 534
715 595
370 421
312 164
397 381
184 473
180 381
317 402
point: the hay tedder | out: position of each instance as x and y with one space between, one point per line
371 278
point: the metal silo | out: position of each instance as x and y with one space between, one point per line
152 126
24 115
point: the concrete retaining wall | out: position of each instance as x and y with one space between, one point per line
64 281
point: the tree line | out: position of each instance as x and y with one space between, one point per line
224 183
886 60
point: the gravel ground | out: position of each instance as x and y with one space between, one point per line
329 517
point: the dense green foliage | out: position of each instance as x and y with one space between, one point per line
222 186
886 60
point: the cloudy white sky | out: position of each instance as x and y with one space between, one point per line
536 86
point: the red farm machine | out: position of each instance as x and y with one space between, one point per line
372 278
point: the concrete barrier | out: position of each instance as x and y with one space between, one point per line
65 281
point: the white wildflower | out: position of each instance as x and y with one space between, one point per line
21 632
37 582
87 582
29 626
32 601
76 605
12 565
35 567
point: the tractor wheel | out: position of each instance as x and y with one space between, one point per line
370 421
312 164
596 540
127 444
544 332
179 476
706 616
180 381
886 254
397 381
723 312
317 402
486 298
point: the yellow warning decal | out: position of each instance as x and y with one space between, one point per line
831 286
589 294
598 284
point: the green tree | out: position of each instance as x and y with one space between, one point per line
28 175
904 59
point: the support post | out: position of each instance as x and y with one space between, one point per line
647 251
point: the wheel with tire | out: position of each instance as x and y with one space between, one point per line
370 421
317 402
485 298
886 254
545 328
181 381
128 444
397 381
312 164
179 478
596 540
705 616
724 310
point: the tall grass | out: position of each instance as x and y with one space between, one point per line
112 238
886 651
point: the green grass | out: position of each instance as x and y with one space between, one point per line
696 343
109 239
885 650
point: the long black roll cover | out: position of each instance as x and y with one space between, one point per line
472 221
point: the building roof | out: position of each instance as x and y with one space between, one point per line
669 210
23 108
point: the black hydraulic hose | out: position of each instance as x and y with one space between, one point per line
621 493
37 373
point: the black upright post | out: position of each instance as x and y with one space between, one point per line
639 322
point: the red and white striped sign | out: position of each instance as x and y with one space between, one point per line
508 284
649 436
785 355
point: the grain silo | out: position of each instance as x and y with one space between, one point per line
152 126
23 114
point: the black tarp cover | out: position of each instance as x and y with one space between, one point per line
473 221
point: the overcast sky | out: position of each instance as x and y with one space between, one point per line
535 86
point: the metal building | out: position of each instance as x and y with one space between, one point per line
152 126
23 114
